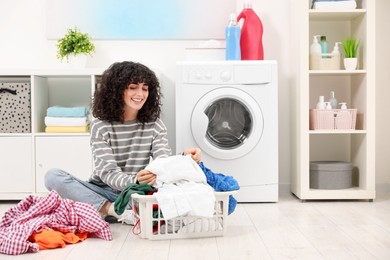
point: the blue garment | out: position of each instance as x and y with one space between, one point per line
221 182
58 111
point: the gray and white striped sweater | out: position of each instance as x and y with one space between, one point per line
120 150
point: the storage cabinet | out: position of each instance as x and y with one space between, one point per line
26 157
71 154
357 88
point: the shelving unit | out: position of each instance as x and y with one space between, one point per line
357 88
26 157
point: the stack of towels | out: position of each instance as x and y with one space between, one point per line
67 120
334 4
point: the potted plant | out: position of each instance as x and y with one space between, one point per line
75 45
350 46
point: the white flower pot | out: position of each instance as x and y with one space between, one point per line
350 63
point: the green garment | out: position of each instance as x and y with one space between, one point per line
124 197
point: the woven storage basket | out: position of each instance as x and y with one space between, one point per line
332 119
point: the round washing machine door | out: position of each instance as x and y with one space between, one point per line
227 123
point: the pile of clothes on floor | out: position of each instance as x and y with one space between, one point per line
44 222
334 4
67 120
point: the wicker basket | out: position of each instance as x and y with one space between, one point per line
151 224
332 119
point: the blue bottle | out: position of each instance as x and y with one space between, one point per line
232 34
324 46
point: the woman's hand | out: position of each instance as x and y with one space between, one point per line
195 154
146 176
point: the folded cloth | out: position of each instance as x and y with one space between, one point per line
66 121
221 182
67 129
58 111
335 5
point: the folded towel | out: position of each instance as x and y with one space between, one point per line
67 129
335 5
58 111
66 121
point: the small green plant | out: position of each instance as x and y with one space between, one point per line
350 46
74 42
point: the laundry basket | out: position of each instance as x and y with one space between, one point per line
150 223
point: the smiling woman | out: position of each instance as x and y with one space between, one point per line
155 19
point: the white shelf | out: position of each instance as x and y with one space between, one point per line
357 88
338 15
336 72
42 151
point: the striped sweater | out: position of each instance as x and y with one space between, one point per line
121 150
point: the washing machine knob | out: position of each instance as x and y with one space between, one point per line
226 75
198 75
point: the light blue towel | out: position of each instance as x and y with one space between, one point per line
58 111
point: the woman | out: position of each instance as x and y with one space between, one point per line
126 133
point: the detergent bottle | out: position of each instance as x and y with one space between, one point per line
232 34
251 41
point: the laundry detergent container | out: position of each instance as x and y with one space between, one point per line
330 175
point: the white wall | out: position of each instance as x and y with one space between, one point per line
23 44
382 95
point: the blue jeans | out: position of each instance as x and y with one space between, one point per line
75 189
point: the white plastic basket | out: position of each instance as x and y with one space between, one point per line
332 119
155 227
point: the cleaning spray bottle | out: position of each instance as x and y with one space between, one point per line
232 34
251 41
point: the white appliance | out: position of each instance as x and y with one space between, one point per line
229 109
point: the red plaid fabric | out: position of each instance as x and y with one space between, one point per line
50 212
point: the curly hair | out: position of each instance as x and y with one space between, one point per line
108 103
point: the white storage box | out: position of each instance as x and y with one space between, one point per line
151 224
324 61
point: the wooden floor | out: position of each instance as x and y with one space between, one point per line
289 229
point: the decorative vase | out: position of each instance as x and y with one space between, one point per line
350 63
77 61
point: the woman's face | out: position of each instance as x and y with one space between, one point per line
135 97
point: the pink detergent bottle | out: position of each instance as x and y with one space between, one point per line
251 41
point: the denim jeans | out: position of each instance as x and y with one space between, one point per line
75 189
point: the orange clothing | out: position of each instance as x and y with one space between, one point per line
48 239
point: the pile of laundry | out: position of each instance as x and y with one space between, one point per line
182 188
67 120
334 4
43 222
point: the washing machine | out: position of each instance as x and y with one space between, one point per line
229 109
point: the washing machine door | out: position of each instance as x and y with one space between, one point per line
227 123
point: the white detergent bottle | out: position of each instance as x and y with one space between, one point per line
343 105
321 103
336 48
315 47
